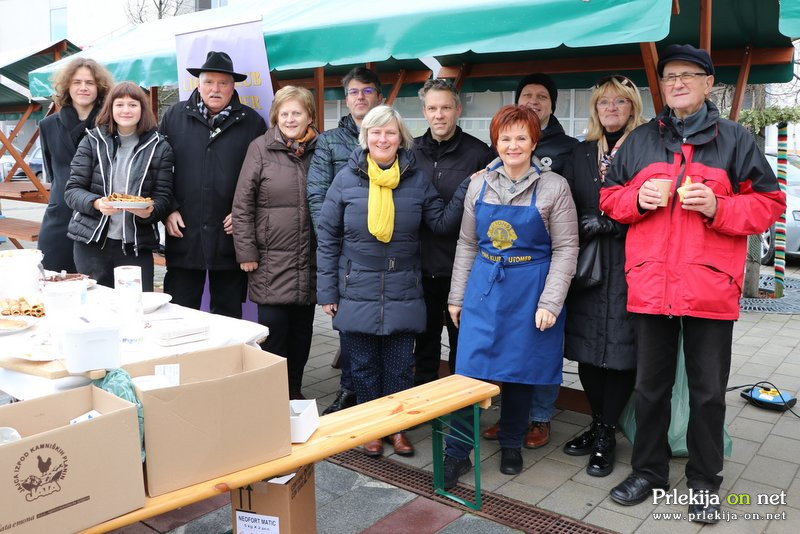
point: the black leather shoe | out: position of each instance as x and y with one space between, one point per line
601 462
344 399
453 469
706 511
510 461
633 490
583 444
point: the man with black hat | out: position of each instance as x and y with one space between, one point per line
209 133
685 252
538 92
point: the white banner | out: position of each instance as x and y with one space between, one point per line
244 43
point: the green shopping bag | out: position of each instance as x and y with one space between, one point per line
679 421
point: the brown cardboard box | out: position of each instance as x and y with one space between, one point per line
268 507
64 478
230 412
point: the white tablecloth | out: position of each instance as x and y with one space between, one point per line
223 331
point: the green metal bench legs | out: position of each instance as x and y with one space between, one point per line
438 454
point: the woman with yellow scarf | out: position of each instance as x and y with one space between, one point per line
368 263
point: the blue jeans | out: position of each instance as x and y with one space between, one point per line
515 399
381 365
544 402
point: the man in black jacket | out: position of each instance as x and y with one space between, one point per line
209 133
362 92
447 155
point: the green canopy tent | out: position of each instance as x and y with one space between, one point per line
482 44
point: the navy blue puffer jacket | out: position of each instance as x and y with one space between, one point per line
377 285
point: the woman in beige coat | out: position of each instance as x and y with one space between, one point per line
272 230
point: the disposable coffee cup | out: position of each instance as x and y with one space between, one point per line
8 434
665 188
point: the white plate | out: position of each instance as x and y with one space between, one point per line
5 330
153 301
121 204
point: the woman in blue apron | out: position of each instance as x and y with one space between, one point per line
515 258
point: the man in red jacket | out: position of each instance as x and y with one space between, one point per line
685 255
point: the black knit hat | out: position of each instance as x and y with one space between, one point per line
218 62
676 52
539 79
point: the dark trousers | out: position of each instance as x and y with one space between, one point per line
428 351
346 378
514 409
227 288
707 351
98 263
290 329
381 365
608 390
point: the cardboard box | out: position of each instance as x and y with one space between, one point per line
304 418
229 412
277 507
65 478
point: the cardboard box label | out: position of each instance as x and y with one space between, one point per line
40 470
250 523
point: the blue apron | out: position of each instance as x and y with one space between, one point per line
498 339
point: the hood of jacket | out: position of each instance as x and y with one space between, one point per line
673 140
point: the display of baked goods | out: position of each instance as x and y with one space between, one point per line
20 306
12 324
65 277
122 197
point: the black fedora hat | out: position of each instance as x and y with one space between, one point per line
218 62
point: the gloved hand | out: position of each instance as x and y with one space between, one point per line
593 223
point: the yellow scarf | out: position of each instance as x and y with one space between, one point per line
380 205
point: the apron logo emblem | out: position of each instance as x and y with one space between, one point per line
502 234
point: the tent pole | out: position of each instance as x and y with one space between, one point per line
741 85
463 72
676 7
154 100
705 25
401 78
319 88
650 61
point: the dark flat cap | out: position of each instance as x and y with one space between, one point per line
676 52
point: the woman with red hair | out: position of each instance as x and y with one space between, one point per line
515 259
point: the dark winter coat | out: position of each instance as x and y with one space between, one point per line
92 175
554 147
695 266
377 285
207 166
271 224
463 156
599 329
59 135
333 151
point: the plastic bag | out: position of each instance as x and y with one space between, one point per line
119 383
679 422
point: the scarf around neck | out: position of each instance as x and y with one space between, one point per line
298 146
214 121
606 156
75 126
380 204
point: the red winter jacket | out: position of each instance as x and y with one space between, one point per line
680 262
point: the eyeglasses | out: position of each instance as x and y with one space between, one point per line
618 102
619 78
686 77
366 91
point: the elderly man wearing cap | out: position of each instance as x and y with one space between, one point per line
684 266
209 133
538 92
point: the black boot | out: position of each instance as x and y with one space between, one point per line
601 462
344 399
583 444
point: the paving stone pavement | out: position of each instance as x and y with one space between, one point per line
765 458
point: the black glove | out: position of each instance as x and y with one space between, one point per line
592 224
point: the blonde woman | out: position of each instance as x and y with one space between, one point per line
272 231
369 270
599 330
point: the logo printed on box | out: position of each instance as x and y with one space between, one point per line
39 470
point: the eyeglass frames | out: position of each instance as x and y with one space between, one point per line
685 77
366 91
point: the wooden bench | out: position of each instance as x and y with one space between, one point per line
16 229
25 191
338 432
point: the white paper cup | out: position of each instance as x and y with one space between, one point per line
8 434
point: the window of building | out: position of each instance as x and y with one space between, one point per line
58 23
